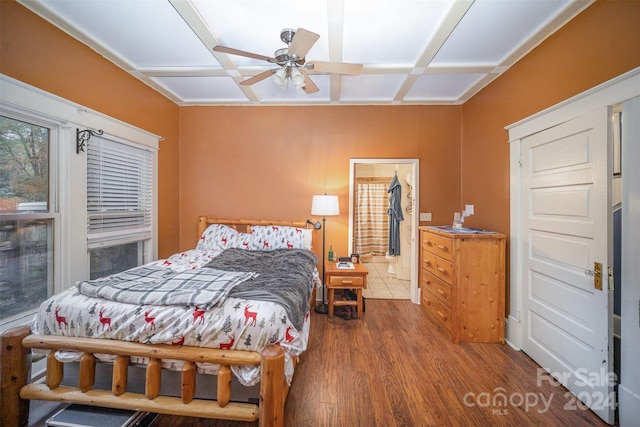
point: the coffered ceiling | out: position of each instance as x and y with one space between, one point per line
412 51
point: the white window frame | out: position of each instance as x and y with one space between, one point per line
53 212
68 176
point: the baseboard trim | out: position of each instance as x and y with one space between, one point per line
512 332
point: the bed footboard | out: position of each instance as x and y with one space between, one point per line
15 360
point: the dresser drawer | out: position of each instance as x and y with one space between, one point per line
437 266
439 289
438 245
346 281
437 309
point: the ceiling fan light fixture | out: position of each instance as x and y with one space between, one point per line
293 63
280 78
297 78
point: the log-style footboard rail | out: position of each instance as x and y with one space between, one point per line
16 391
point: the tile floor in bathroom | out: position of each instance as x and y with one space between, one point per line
381 284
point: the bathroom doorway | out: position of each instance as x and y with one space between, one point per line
390 277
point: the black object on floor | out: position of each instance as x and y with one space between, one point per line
92 416
351 295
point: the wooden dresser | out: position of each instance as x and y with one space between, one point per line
462 277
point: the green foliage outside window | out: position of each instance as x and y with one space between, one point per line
24 163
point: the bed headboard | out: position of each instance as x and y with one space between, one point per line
244 226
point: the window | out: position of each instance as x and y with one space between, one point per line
27 219
119 187
61 220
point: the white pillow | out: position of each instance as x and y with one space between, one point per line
267 237
218 237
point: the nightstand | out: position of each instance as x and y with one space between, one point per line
335 278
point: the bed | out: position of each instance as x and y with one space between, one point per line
250 327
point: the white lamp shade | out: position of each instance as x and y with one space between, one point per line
280 78
325 205
297 78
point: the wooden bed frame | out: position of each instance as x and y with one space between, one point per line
15 372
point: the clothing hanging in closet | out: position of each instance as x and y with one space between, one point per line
395 215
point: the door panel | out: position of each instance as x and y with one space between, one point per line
565 230
563 299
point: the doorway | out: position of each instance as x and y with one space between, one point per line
532 319
369 180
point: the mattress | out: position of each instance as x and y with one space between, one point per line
237 324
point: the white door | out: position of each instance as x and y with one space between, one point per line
565 229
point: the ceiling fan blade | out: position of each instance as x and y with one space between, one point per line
238 52
257 78
334 68
302 41
309 86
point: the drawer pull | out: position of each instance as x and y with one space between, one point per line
442 248
347 282
442 270
429 243
444 317
428 282
428 263
440 291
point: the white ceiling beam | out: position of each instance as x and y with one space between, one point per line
335 29
184 72
450 22
335 84
249 72
477 86
160 88
194 20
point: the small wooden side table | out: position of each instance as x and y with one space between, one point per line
337 278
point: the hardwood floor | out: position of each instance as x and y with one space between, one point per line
395 367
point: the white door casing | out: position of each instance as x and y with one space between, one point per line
565 230
414 163
629 387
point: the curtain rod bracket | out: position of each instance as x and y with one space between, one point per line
83 136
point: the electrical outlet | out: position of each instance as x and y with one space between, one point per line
456 217
425 216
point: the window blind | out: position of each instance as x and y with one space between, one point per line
119 192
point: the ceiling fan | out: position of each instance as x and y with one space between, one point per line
293 63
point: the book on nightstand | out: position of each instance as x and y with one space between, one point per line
345 265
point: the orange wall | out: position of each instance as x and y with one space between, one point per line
37 53
598 45
267 162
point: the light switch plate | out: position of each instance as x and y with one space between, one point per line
425 216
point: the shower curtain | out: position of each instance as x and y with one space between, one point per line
371 228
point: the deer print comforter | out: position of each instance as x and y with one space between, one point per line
235 323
